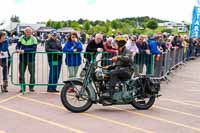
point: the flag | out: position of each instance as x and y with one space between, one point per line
195 26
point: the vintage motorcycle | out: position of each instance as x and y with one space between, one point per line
79 94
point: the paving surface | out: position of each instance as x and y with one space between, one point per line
177 111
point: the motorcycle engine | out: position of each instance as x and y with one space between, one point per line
99 74
124 95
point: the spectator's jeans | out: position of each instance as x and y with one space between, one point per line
73 71
54 74
22 70
4 64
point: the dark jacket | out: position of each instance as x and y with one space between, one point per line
73 59
124 62
142 47
92 47
53 46
4 47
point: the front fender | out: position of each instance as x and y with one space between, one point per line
90 87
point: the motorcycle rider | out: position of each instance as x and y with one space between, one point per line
122 68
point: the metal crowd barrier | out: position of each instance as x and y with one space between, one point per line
40 66
172 59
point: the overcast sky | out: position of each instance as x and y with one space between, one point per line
42 10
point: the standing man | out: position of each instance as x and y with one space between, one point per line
26 47
145 55
54 60
94 46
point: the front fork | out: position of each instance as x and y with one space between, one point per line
88 84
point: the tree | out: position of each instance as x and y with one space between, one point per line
75 25
49 23
86 26
14 18
80 21
152 24
57 25
136 31
167 30
115 24
137 25
65 24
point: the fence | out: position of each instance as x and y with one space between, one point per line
172 59
42 62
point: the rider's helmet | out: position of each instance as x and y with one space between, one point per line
121 41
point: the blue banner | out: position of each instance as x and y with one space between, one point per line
195 26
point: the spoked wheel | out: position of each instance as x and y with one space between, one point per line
144 103
73 100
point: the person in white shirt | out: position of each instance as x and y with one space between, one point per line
131 45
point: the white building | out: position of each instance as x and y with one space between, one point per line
182 27
13 26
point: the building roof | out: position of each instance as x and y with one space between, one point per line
45 29
11 26
66 30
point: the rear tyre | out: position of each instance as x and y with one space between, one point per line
143 104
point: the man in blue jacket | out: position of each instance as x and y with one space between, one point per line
4 59
26 47
154 45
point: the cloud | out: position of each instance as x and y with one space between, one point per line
91 2
42 10
19 1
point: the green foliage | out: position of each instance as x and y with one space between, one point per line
75 25
167 30
136 31
58 25
135 25
152 24
49 23
86 26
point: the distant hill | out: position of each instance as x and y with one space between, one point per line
132 25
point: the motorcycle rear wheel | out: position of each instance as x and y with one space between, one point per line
142 104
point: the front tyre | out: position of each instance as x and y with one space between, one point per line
143 104
71 99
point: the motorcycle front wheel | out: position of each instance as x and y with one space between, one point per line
73 100
143 104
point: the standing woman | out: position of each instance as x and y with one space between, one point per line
4 59
73 58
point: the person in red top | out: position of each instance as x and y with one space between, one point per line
111 51
109 47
